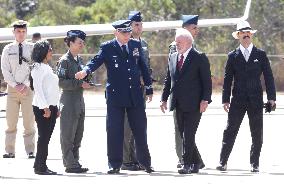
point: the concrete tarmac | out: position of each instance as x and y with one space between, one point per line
18 172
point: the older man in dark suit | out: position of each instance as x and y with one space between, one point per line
188 81
125 66
244 66
190 23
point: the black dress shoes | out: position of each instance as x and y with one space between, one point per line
201 165
113 171
195 168
76 170
9 155
149 169
254 169
45 172
222 167
179 165
31 155
130 167
186 169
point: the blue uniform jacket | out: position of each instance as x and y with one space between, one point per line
123 86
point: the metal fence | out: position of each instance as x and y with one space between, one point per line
217 62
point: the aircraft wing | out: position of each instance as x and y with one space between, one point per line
51 32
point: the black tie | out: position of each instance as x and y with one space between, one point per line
20 53
124 51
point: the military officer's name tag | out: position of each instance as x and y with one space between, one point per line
114 58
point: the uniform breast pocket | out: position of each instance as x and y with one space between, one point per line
13 57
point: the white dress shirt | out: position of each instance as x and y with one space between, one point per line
184 55
120 44
13 72
46 86
249 49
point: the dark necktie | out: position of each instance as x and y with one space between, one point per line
124 51
20 53
180 62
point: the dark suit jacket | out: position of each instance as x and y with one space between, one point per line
246 77
123 86
189 86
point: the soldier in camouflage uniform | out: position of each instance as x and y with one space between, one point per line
72 102
190 24
129 156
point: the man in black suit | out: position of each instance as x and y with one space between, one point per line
245 65
190 23
188 81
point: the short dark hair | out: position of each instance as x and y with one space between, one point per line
40 50
36 35
67 40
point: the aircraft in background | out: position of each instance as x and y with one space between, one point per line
51 32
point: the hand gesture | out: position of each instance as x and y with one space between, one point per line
149 98
226 106
47 112
203 106
86 85
163 106
80 74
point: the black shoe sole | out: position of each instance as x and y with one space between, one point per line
76 170
45 172
111 172
8 156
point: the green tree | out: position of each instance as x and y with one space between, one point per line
24 7
7 15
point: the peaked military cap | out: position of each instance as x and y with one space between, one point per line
189 19
122 25
135 16
19 24
76 33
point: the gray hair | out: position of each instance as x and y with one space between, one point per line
185 33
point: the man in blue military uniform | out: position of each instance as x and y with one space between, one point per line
122 57
129 157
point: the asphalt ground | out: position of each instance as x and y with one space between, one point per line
18 172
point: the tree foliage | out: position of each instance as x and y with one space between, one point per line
265 15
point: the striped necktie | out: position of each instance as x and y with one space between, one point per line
246 54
